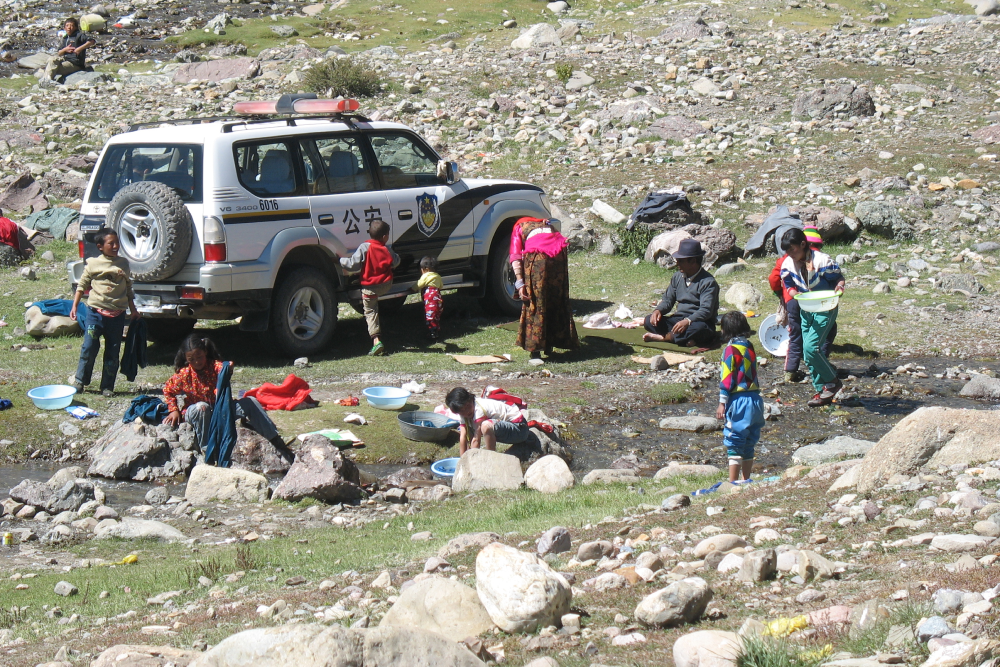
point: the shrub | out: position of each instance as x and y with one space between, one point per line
760 651
633 242
344 77
563 72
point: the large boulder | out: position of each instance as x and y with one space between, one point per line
962 282
743 297
209 483
519 590
722 542
71 496
485 469
217 70
138 655
440 605
717 242
538 35
31 492
833 449
549 474
139 529
882 219
843 100
707 648
982 386
675 469
932 436
40 325
63 475
693 423
255 453
675 128
683 601
315 645
141 453
685 30
320 472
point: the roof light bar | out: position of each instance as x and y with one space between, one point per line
306 105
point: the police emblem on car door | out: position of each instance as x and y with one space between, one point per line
428 214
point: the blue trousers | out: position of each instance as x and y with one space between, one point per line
794 355
744 419
96 326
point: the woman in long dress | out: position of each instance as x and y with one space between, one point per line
539 257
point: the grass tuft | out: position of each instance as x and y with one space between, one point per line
344 77
871 639
669 392
760 651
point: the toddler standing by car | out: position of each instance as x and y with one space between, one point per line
107 278
740 404
430 286
375 260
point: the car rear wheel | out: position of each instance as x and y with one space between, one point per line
501 296
303 313
154 229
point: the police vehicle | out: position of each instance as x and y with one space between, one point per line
246 217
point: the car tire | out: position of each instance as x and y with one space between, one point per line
164 330
501 297
303 313
154 229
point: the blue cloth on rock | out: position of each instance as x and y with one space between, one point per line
150 409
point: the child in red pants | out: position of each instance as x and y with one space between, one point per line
430 285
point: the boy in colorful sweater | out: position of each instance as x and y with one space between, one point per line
375 260
740 404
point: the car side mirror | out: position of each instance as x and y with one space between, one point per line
448 172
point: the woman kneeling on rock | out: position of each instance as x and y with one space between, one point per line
197 367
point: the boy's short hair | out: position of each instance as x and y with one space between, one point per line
429 263
458 398
377 229
103 234
73 20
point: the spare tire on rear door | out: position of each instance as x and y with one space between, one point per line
154 229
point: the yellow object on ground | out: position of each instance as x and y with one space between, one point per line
817 654
783 627
131 559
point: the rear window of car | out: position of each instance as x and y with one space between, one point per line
176 165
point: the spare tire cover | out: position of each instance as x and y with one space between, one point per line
154 229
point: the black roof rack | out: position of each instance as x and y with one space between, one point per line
233 121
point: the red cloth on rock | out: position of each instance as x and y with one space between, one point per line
287 396
8 233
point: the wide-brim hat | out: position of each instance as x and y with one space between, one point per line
689 248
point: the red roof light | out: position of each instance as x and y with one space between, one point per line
312 106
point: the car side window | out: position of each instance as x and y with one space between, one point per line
344 166
404 162
266 168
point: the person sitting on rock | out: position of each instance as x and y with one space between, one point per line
71 56
197 367
14 244
695 293
486 421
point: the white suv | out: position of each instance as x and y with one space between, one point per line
235 217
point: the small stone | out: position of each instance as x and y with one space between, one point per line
65 589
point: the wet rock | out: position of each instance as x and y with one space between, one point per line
833 449
465 542
555 540
217 70
693 423
683 601
538 35
254 453
400 478
136 655
209 483
707 648
933 436
436 493
320 472
549 474
134 451
484 469
519 590
844 100
138 529
439 605
882 219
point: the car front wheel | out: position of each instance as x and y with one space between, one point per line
501 297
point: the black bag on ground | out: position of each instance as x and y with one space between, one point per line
655 206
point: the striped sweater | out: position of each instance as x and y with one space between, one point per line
826 274
738 369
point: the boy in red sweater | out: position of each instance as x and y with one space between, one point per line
375 260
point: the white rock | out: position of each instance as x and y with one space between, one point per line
208 483
519 590
607 213
480 469
707 648
549 474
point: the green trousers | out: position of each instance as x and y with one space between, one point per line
815 328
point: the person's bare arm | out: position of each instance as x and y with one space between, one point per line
76 302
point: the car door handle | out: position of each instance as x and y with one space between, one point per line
405 215
325 219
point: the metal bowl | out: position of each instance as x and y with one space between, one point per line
414 426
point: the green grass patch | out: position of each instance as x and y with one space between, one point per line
757 651
256 34
871 639
669 392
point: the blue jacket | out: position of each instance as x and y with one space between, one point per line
149 409
135 350
222 429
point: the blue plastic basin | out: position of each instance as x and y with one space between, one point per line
444 467
386 398
52 396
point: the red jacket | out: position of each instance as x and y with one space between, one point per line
378 264
777 285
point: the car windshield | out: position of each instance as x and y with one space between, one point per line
178 166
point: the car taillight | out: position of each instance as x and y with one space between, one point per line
215 239
79 244
195 293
